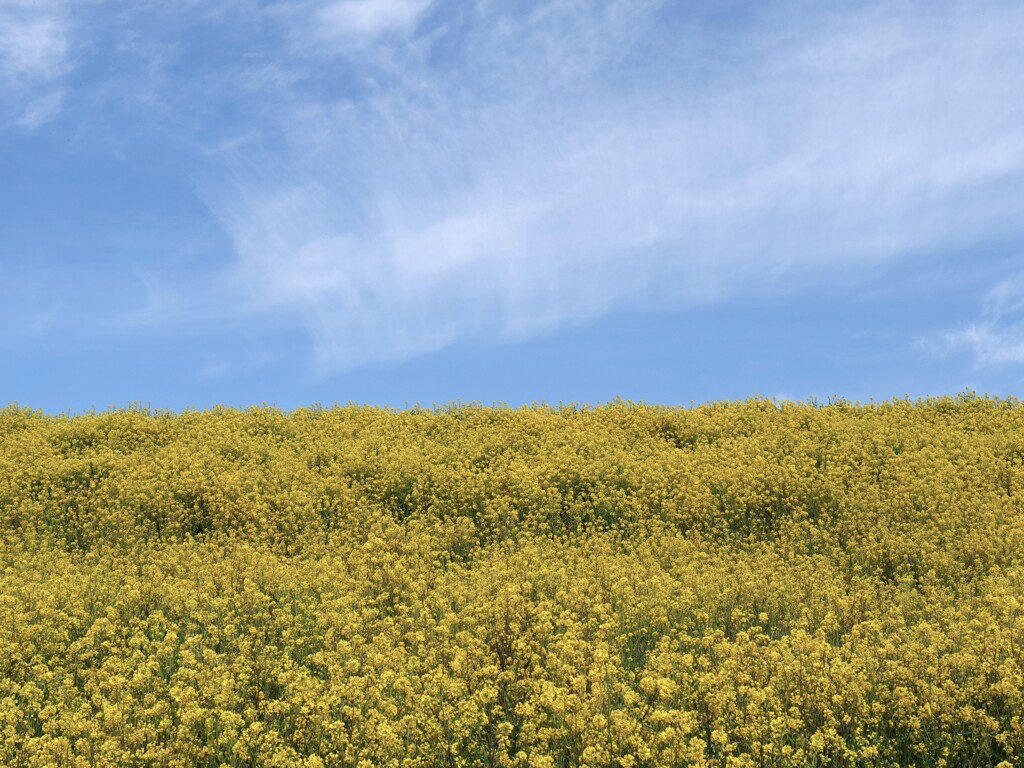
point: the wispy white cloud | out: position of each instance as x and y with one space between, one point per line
34 57
997 336
365 20
503 171
990 344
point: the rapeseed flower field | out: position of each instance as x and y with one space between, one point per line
734 585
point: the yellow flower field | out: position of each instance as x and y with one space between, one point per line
731 585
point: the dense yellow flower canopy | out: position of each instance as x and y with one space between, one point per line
732 585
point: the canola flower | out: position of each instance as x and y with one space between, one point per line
735 585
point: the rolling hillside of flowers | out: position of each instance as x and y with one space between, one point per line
733 585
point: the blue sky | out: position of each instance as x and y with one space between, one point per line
424 201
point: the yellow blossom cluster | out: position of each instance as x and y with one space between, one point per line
734 585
